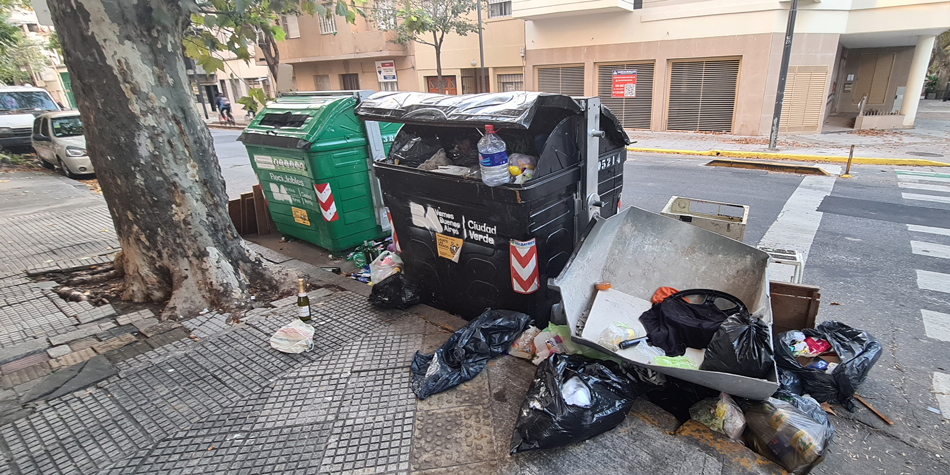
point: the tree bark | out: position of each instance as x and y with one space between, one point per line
154 156
438 62
271 54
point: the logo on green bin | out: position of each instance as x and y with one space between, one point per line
281 164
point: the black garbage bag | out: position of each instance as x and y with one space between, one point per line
396 291
466 352
789 382
572 398
741 346
688 318
794 434
857 350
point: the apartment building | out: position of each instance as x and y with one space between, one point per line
704 65
331 54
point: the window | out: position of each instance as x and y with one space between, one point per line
67 127
328 25
27 100
44 127
385 15
36 126
321 82
350 82
499 8
510 82
388 86
33 27
290 26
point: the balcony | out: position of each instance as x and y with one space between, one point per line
535 9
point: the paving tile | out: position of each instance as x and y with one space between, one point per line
72 358
24 348
96 313
145 323
445 437
73 335
114 343
25 375
83 343
24 362
131 317
57 351
167 337
116 331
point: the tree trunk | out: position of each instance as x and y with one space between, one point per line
438 63
271 55
154 156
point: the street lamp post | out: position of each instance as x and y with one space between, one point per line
783 75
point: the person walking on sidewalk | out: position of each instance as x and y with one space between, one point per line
224 109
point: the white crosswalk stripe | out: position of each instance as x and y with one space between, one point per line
941 382
925 186
930 249
936 324
919 197
936 281
928 229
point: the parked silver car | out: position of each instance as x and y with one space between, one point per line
58 141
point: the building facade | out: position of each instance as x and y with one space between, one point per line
703 65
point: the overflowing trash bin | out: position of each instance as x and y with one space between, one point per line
313 159
475 246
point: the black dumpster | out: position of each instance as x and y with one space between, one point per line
475 246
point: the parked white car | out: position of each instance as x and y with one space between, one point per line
58 141
19 107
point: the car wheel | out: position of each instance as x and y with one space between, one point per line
65 169
46 165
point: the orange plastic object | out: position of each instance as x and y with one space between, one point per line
602 285
662 293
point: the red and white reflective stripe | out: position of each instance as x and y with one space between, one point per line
327 206
389 215
619 198
524 266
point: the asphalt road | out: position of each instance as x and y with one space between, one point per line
871 277
238 175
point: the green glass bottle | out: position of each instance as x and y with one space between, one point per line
303 302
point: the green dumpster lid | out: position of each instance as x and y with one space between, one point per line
295 121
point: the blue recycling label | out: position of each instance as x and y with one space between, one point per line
493 159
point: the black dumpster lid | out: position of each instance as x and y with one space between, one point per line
509 109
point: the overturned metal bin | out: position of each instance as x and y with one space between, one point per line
638 252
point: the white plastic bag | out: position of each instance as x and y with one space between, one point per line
294 337
576 393
385 265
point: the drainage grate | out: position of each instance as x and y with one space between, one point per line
926 154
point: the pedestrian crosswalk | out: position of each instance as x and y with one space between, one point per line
932 241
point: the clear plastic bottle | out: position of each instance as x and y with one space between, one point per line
493 158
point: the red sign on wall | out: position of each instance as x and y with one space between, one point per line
624 83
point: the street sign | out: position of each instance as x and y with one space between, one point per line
386 71
624 83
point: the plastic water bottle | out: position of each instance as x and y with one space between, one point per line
493 158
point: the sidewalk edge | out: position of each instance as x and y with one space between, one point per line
914 162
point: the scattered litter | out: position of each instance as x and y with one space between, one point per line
834 303
720 414
295 337
466 352
855 352
933 410
571 399
385 265
397 291
523 347
872 409
784 433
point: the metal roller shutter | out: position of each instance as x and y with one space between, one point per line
702 95
634 113
568 80
804 93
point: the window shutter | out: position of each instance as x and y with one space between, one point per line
804 94
568 80
634 113
293 29
702 95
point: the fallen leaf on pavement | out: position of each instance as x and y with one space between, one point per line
827 408
834 303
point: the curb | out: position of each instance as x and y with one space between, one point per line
913 162
225 127
769 166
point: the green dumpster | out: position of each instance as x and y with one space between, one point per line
313 159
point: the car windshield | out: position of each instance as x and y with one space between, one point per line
26 100
67 127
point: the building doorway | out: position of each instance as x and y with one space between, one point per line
350 82
448 82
